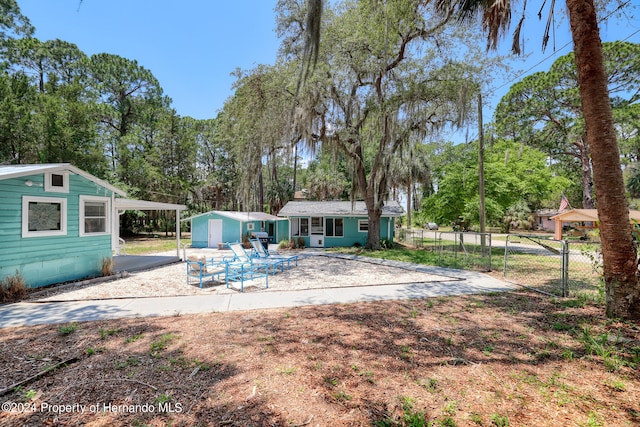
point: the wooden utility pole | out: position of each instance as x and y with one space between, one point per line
481 174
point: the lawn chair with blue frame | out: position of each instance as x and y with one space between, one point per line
240 271
198 268
240 255
260 252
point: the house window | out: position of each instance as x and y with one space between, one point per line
299 227
250 226
56 182
363 225
44 216
334 227
94 215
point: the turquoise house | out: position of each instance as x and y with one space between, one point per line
336 223
211 228
59 223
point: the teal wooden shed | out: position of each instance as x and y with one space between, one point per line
59 223
212 228
330 224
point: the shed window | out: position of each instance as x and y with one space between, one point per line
94 215
363 225
334 227
44 216
299 227
56 182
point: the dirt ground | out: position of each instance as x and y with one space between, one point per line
517 359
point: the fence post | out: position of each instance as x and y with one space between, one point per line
565 267
490 250
506 250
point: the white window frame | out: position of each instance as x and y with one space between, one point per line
107 218
44 233
298 220
251 226
333 227
48 187
363 225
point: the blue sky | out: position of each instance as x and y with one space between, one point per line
192 46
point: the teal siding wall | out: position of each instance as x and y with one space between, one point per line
200 230
232 229
282 232
44 261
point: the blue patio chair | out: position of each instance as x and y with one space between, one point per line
198 268
261 252
240 255
239 271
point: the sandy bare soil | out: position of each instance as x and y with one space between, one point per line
312 272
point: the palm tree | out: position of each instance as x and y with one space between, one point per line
620 263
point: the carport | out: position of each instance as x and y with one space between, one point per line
583 215
141 262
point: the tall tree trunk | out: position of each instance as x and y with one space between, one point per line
619 254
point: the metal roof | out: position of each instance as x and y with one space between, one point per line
240 216
142 205
336 208
17 171
577 215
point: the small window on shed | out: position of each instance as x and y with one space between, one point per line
56 182
363 225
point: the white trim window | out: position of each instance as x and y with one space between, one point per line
44 216
299 227
94 215
363 225
334 227
56 182
251 226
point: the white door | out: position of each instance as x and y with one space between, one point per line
215 232
316 239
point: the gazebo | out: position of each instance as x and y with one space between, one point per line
582 215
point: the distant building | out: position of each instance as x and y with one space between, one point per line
336 223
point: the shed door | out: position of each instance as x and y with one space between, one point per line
215 232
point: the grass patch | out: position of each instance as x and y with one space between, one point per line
161 344
67 329
147 245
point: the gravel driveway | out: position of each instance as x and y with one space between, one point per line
317 270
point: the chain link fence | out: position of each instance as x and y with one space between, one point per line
465 250
555 267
